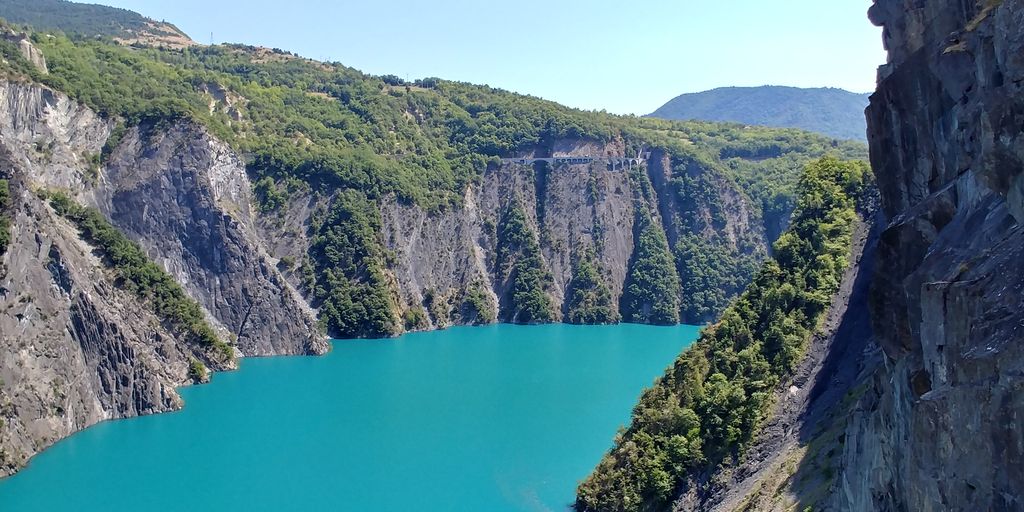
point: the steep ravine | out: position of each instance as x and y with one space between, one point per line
77 349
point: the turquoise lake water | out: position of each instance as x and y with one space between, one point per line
489 418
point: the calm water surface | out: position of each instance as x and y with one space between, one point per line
491 418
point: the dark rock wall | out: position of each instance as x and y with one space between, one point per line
939 427
186 198
74 348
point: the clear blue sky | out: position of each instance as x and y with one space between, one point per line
621 56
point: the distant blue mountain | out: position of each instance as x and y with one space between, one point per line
833 112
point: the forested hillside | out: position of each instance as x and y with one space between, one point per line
80 19
309 129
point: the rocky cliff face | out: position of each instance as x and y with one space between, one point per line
75 348
937 428
26 48
181 194
437 256
186 198
572 208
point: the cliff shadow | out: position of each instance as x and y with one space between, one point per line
845 372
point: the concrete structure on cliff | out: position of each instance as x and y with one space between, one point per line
616 162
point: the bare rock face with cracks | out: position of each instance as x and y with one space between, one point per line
936 428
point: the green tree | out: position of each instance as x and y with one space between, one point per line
651 293
520 261
590 299
477 307
711 274
5 222
352 290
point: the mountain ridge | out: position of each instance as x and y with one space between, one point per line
829 111
92 20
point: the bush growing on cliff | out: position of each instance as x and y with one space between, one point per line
197 372
267 194
590 300
351 289
5 222
697 195
519 260
651 292
707 406
477 307
415 318
137 274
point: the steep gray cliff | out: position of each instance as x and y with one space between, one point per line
436 257
186 198
938 425
76 349
573 208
